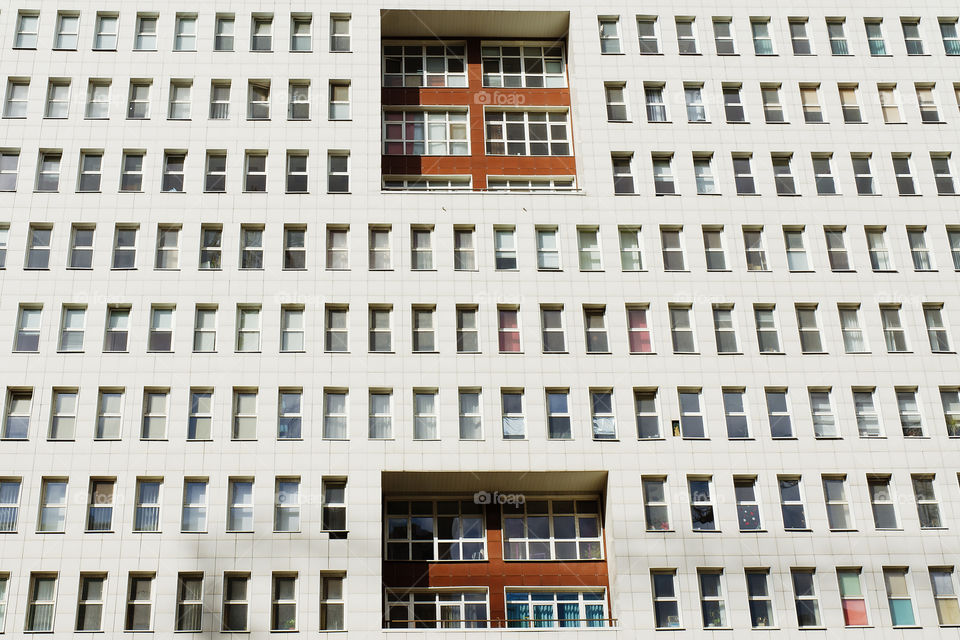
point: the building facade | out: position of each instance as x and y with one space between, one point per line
584 320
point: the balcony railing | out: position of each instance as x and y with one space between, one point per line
504 623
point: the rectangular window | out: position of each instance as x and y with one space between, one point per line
38 247
90 600
943 582
512 420
849 104
185 34
147 517
235 601
759 598
332 603
838 37
852 600
799 37
748 505
648 420
838 508
810 103
337 252
298 100
768 336
687 36
594 321
672 249
655 504
703 173
928 508
335 419
899 599
430 133
723 36
189 602
666 603
631 252
380 329
261 32
219 101
874 28
9 162
805 597
713 250
648 33
179 105
301 32
837 248
168 247
41 602
929 112
28 329
53 505
131 172
894 334
335 332
943 174
414 65
424 329
258 100
558 415
139 615
823 174
471 427
538 530
724 329
663 181
778 413
743 175
889 103
615 95
911 420
215 181
109 414
240 505
9 512
762 40
702 512
334 506
773 112
691 414
791 502
821 413
953 237
755 252
380 423
950 36
28 26
911 36
224 33
161 329
693 98
610 35
58 98
882 502
505 248
424 415
735 413
338 172
783 174
527 133
808 326
733 103
283 610
468 335
193 519
588 249
877 249
105 33
72 321
290 413
339 33
88 180
623 182
286 511
548 250
205 329
850 329
655 102
100 506
936 328
602 416
421 248
244 414
339 100
63 414
48 171
200 418
138 105
551 326
508 330
146 33
906 184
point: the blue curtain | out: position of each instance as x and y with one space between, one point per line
569 614
543 615
518 614
595 615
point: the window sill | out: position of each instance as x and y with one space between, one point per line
738 122
620 121
943 352
510 352
607 353
80 351
842 530
748 194
686 353
729 353
815 353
